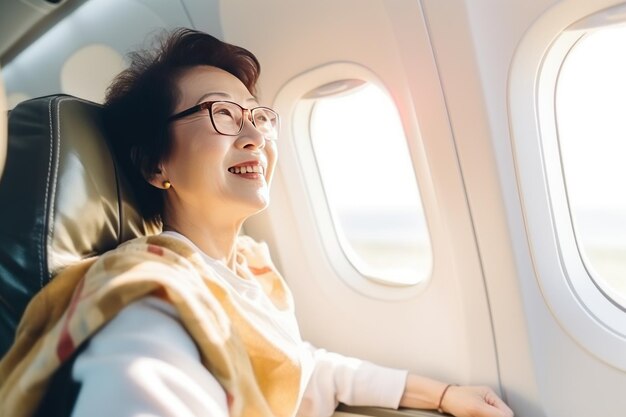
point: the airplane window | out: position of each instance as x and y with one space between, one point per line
590 103
367 175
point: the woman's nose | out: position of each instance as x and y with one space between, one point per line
250 136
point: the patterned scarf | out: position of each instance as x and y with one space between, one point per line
260 379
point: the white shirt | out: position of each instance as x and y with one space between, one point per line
144 363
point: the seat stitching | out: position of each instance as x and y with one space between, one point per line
118 185
41 242
54 182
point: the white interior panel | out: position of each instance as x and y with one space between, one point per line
445 330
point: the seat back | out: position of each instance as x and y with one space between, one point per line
62 199
3 125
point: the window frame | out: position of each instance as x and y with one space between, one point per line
299 160
579 305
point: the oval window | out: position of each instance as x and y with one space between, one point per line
366 172
590 103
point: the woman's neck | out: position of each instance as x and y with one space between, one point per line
217 241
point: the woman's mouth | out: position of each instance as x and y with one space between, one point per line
252 171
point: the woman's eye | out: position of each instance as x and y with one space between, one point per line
223 112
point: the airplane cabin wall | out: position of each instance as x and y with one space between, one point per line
444 330
544 372
568 380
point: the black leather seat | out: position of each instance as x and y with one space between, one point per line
62 199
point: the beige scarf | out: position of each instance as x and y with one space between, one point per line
259 378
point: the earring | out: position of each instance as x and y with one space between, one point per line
167 184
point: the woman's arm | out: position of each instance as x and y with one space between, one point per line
460 401
337 378
143 362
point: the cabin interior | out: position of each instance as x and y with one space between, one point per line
447 195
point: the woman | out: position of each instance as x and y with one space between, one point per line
197 321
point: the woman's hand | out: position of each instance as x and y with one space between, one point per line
460 401
474 401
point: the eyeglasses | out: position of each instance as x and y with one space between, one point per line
227 118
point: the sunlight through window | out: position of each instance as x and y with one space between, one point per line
590 109
370 185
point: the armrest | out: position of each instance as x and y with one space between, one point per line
350 411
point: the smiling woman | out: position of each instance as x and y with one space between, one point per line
139 116
207 148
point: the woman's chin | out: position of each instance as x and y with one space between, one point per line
256 205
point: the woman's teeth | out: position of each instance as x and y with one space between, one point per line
246 169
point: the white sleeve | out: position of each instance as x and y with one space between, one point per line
143 363
351 381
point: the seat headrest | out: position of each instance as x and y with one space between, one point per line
62 199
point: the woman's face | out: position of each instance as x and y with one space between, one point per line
205 166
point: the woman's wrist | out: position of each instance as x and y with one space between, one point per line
422 392
478 401
440 406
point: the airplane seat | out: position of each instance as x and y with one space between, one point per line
3 125
63 198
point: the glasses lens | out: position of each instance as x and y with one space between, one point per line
266 121
227 117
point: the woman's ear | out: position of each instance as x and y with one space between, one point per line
158 179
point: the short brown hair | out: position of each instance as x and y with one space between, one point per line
142 97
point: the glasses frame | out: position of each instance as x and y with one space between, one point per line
208 105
